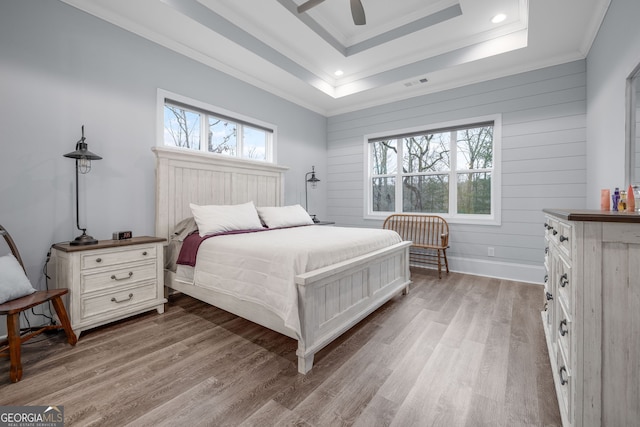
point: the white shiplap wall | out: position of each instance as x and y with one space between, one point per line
543 161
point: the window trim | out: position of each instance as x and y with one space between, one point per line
496 180
205 108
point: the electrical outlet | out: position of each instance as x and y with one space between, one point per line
491 251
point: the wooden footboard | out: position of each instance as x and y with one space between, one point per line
333 299
330 299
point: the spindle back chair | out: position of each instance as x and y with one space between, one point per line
11 346
429 234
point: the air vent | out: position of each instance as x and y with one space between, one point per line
416 82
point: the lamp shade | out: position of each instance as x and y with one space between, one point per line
81 152
309 180
313 180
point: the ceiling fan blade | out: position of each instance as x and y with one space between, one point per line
357 11
308 5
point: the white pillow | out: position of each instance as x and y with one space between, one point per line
284 216
13 282
212 219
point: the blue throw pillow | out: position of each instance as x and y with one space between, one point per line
13 282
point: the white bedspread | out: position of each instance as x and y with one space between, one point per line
261 267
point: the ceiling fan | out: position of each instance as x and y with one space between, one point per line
357 10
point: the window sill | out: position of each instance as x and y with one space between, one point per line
450 219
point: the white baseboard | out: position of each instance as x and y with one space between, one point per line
501 270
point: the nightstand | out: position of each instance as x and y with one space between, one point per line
109 281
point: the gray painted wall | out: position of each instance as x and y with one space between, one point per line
61 68
543 161
613 56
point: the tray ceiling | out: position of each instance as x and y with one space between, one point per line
407 48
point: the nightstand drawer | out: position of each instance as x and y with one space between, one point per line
120 300
117 277
115 257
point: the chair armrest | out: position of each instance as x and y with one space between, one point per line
444 238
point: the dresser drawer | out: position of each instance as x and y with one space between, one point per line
117 301
97 259
564 328
565 233
117 277
547 249
564 379
551 228
564 286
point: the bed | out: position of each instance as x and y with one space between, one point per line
330 299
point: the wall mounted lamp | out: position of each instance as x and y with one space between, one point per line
83 159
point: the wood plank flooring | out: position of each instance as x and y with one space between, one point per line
460 351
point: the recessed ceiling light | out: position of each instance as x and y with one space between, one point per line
338 73
498 18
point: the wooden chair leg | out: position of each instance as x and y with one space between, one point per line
13 337
446 262
439 265
64 320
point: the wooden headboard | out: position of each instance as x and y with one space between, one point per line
184 177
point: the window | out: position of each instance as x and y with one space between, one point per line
192 125
450 171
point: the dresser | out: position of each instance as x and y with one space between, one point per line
109 281
592 315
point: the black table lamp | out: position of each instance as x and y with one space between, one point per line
314 184
83 165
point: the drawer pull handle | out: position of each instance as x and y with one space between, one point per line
124 300
563 239
144 253
546 250
555 232
547 226
546 278
563 330
98 259
113 277
564 280
549 296
563 372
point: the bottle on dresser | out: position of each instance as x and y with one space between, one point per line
622 201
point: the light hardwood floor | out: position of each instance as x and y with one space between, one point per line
461 351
